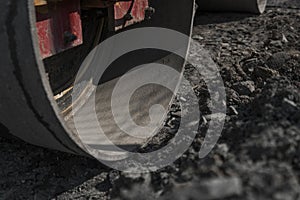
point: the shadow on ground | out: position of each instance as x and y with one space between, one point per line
30 172
210 18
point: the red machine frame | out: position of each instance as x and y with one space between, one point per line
59 21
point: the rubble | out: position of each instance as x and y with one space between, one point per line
257 156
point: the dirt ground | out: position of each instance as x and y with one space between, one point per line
257 156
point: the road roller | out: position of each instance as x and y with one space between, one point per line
45 42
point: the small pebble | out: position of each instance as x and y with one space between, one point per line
233 110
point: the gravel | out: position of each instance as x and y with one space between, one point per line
257 156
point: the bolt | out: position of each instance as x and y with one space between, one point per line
149 12
69 37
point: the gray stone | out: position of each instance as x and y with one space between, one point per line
245 87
